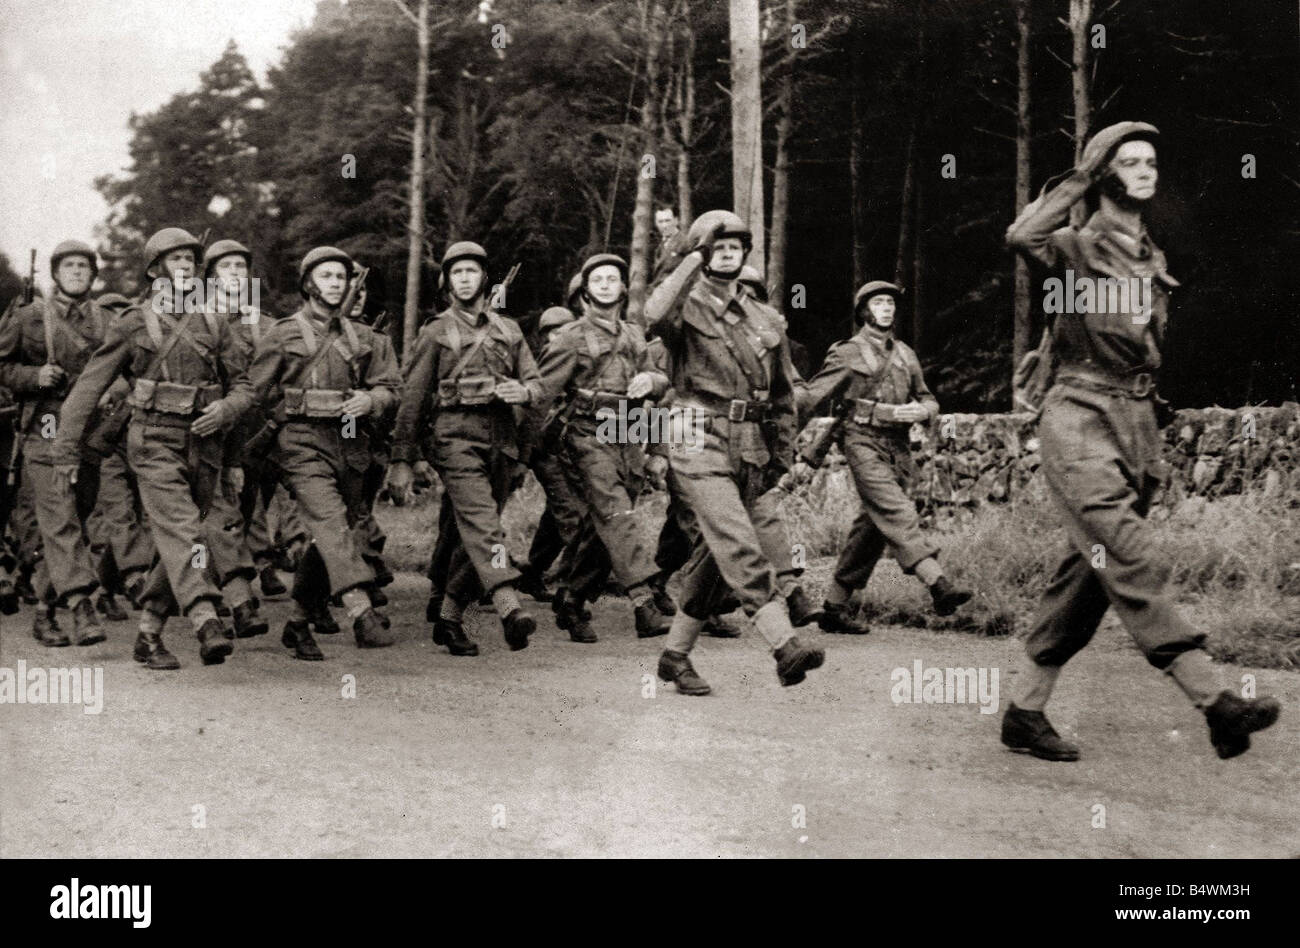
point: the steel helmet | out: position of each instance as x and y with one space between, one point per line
553 316
1111 137
464 250
868 290
574 293
602 260
754 280
167 240
318 255
224 248
713 225
71 248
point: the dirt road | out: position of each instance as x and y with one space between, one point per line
575 750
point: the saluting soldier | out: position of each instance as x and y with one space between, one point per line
44 346
188 387
327 373
475 368
732 383
878 378
601 366
1100 445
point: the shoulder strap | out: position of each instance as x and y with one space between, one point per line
742 354
318 351
165 346
601 363
463 362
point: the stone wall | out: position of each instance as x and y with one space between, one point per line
967 460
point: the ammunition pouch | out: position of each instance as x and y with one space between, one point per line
467 390
314 402
587 402
172 398
867 411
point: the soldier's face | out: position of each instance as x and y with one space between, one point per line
882 309
331 279
1135 166
179 264
665 223
74 275
360 306
231 271
466 278
605 285
728 255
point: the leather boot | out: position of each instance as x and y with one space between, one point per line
1028 732
1233 719
86 629
719 628
794 660
841 617
150 652
567 611
272 587
106 605
213 644
322 622
297 636
663 602
517 627
650 622
947 597
582 632
452 635
45 628
378 598
370 631
677 668
247 622
802 611
9 603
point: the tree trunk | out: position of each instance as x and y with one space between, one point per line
415 224
1024 323
747 123
1080 14
685 104
906 212
857 150
781 171
642 211
919 289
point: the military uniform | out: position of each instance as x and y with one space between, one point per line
590 363
325 459
457 361
875 372
1100 456
178 366
77 328
727 353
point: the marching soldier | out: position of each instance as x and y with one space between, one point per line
475 367
601 365
564 511
188 386
44 346
731 381
327 374
1100 447
226 265
879 380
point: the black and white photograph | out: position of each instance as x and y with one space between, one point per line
650 429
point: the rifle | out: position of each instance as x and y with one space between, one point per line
29 284
276 417
12 409
505 285
815 453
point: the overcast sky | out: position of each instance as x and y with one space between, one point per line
71 73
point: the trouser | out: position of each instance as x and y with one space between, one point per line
1099 454
476 474
61 514
116 532
677 535
177 474
325 472
27 534
608 479
742 541
564 513
882 469
231 556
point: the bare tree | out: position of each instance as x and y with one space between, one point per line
652 20
415 198
1023 324
1080 14
747 123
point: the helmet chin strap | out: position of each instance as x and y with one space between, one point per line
1117 191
